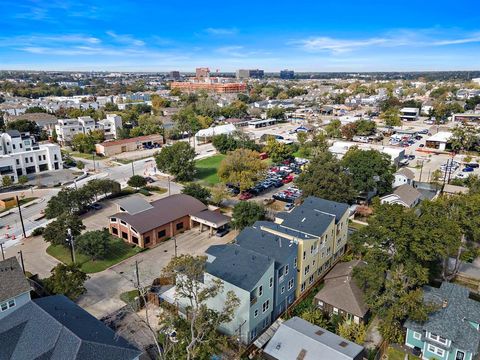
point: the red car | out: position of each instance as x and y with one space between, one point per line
245 196
287 179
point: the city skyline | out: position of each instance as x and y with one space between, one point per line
323 37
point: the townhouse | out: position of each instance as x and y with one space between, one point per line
66 129
284 252
21 155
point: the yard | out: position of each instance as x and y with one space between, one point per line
207 169
118 251
396 354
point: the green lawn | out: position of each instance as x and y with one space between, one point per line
128 296
207 169
79 155
119 250
395 354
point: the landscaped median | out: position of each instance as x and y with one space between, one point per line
118 251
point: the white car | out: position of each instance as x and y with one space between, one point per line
462 175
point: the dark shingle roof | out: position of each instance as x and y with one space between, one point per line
314 215
341 291
56 328
163 211
12 280
268 244
452 321
236 265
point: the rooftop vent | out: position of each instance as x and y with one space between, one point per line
319 332
343 344
444 303
302 354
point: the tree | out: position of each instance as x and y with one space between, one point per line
109 106
276 113
242 167
137 181
56 231
332 129
69 201
67 280
23 125
326 178
237 109
35 109
246 213
224 143
278 151
178 160
84 143
93 244
218 194
365 127
80 165
315 316
353 332
197 191
349 131
391 117
202 321
7 180
369 169
464 137
23 179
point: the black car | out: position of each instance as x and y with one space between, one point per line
222 232
96 206
473 165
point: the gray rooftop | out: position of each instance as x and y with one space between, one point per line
56 328
452 321
238 266
268 244
277 228
134 204
12 279
314 215
297 338
408 194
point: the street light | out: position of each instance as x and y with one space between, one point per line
175 242
71 241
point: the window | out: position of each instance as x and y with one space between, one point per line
255 314
4 306
438 338
335 311
304 255
282 290
162 233
114 231
286 270
147 239
11 303
123 222
436 350
307 269
26 160
295 262
320 303
260 291
124 235
310 280
271 282
44 157
290 284
179 226
13 146
7 305
113 220
135 240
265 305
133 229
302 288
39 157
18 161
460 355
417 335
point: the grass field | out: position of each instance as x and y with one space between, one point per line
118 251
395 354
207 169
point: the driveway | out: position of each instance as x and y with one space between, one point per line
104 289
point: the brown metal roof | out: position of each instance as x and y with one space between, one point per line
164 211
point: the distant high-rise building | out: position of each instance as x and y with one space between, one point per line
250 74
175 75
287 74
202 73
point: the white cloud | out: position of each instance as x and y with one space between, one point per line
125 39
221 31
413 38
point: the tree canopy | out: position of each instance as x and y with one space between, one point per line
67 280
197 191
177 160
246 213
242 167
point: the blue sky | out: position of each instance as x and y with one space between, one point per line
161 35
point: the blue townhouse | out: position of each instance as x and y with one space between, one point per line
284 252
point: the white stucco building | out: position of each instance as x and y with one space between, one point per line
21 155
66 129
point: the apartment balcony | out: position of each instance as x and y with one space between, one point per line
253 300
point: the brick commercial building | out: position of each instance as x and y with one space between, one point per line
148 224
217 87
109 148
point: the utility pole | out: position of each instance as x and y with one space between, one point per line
21 261
175 242
71 241
136 273
3 253
133 169
21 217
93 156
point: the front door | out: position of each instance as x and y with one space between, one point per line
460 355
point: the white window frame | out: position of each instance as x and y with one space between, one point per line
290 284
435 350
260 290
282 290
255 313
438 338
265 308
335 310
416 335
285 272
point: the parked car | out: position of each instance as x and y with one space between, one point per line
473 165
149 179
96 206
411 157
424 131
245 195
289 206
421 145
222 232
467 169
